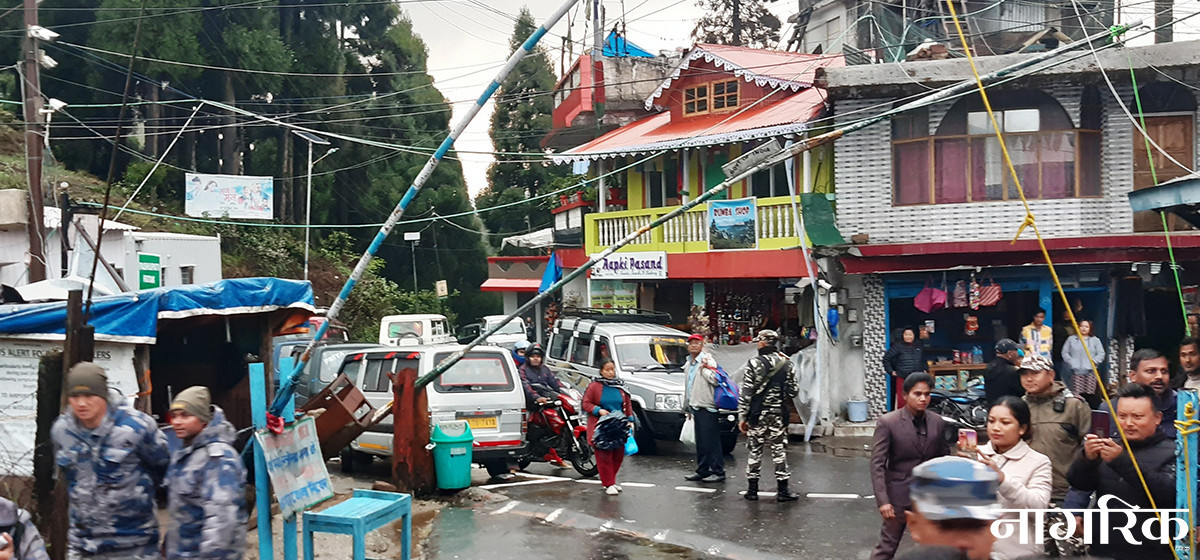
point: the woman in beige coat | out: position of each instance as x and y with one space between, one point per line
1025 475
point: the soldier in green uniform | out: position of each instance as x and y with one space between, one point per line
769 382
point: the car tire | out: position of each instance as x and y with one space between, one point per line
496 467
347 461
647 444
728 442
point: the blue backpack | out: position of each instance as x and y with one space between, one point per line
726 394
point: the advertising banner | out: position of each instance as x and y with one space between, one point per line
613 294
235 196
296 467
650 265
732 224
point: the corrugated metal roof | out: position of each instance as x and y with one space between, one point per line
657 132
777 69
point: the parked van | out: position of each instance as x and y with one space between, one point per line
322 367
412 330
650 358
484 388
507 337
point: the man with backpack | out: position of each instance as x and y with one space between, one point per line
699 403
19 539
762 415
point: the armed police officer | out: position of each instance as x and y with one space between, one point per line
112 458
769 383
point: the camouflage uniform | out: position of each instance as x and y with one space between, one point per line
28 545
772 426
206 496
111 474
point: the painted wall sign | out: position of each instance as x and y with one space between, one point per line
651 265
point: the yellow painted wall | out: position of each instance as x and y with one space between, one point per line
635 191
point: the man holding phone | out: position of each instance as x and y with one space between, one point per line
19 539
1150 368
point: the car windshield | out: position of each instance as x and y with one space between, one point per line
475 372
401 328
331 360
650 353
513 327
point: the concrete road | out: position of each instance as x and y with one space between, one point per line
835 518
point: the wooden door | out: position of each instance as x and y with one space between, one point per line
1175 134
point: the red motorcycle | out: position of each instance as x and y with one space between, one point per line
559 425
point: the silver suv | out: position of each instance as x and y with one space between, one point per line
649 357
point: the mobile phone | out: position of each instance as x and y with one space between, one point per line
967 442
1100 423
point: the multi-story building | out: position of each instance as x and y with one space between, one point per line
716 104
929 195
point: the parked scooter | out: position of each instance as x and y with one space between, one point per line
559 425
966 409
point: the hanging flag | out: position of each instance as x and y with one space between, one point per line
553 273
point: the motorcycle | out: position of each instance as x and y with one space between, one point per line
559 425
962 409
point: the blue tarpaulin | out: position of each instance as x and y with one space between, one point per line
618 46
133 317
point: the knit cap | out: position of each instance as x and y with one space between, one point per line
195 401
87 378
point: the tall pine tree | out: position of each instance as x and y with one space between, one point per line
521 119
746 23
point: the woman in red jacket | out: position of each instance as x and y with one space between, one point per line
602 397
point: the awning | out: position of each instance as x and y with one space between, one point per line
532 240
1179 196
510 285
133 317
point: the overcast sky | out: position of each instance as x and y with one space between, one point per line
468 41
462 35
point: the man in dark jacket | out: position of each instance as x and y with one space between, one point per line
1106 468
1150 368
904 438
1001 378
535 372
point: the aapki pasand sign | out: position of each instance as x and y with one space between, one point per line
296 467
650 265
732 224
235 196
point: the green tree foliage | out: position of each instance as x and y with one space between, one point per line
521 119
737 22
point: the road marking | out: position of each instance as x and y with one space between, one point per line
695 489
540 480
636 484
507 508
832 496
871 497
554 515
587 481
743 492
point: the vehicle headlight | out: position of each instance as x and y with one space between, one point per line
668 401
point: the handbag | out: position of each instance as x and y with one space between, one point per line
989 293
973 294
631 444
960 294
929 299
726 393
687 435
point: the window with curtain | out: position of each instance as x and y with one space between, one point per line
963 160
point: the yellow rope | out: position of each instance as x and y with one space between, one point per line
1030 222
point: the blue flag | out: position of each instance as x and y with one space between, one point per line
553 273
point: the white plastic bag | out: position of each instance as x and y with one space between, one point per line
688 435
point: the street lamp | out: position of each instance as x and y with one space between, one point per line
415 238
311 139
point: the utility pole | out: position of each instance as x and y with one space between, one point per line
736 8
34 145
598 60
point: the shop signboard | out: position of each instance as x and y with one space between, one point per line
732 224
650 265
613 294
149 271
235 196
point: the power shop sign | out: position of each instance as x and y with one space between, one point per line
650 265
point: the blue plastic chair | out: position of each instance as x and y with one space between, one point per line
364 512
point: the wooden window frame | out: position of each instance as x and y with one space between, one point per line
709 98
1006 176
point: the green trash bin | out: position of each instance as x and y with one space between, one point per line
452 441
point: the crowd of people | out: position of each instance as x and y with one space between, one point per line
114 459
1047 449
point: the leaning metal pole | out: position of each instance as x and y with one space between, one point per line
287 384
788 152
